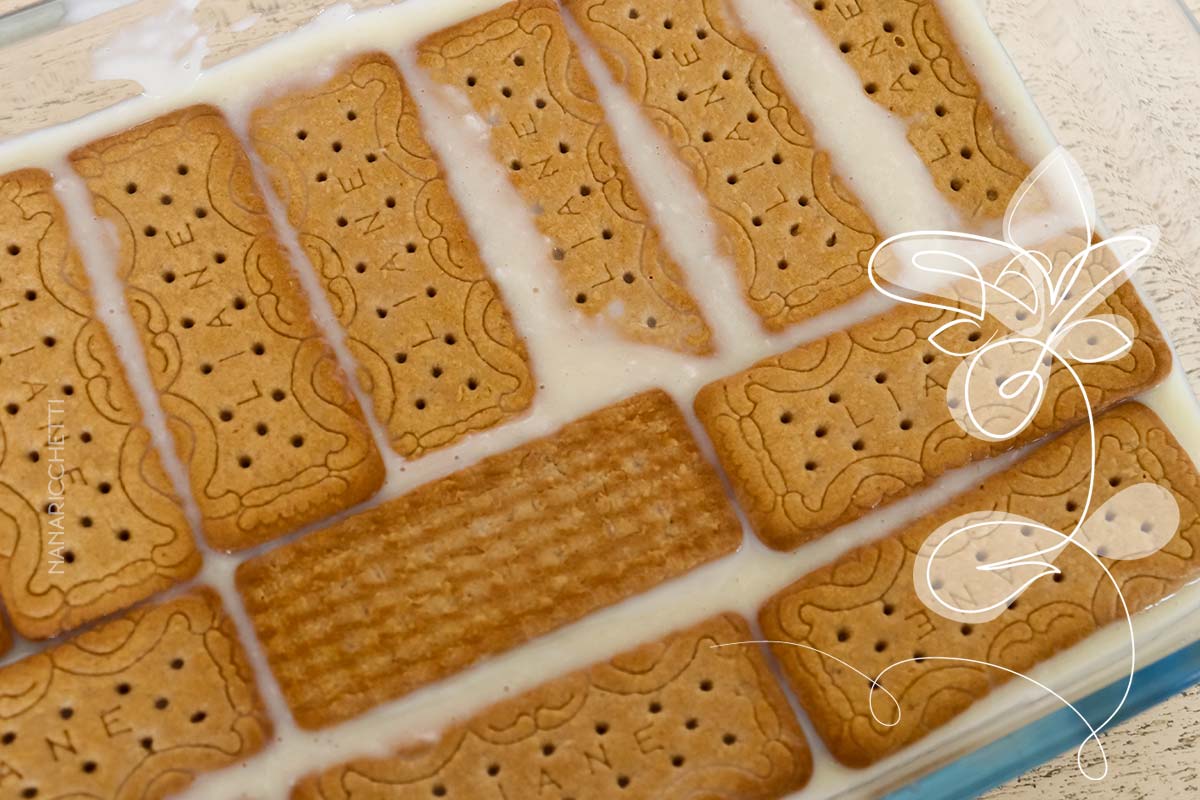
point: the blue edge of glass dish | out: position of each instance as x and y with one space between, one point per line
1057 732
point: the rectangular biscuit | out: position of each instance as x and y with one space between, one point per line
259 409
820 435
137 707
434 344
678 717
89 523
487 558
864 608
522 74
909 64
798 237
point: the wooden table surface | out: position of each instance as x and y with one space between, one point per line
1119 81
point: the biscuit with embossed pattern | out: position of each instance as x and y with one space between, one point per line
259 409
908 62
677 717
89 522
864 608
799 239
434 344
818 436
478 562
521 72
135 708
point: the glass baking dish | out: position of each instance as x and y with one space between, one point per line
1096 79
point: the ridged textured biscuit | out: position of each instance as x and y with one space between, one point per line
864 609
818 436
798 237
89 523
487 558
909 63
258 407
435 347
135 708
677 717
520 70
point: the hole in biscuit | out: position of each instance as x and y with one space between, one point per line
244 462
820 432
651 322
430 291
539 103
322 177
29 791
85 437
360 268
297 441
105 487
844 47
401 358
681 95
843 635
880 646
8 738
834 397
656 54
182 169
436 372
927 358
89 766
258 349
439 790
1070 505
786 418
677 761
342 222
955 184
965 630
751 117
782 263
493 770
731 179
131 188
622 781
756 222
411 247
810 465
219 258
166 200
1058 577
198 717
238 303
188 322
34 456
201 213
302 135
124 688
655 707
918 656
668 24
86 522
888 27
706 685
49 341
858 444
601 728
992 194
277 395
123 535
30 295
150 231
420 404
981 556
147 743
1146 527
726 75
581 298
226 415
965 152
381 313
261 429
471 80
888 609
905 424
973 336
69 556
729 739
880 377
205 369
66 712
914 69
12 408
940 110
832 240
871 88
547 749
161 703
472 384
371 158
351 115
450 339
606 234
706 136
68 390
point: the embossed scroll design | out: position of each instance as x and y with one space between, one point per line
972 567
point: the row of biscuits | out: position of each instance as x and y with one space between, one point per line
227 345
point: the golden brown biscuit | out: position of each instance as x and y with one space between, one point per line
435 347
864 608
799 238
259 409
908 62
521 72
478 562
89 523
673 718
137 707
818 436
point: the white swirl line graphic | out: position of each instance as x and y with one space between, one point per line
1044 296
